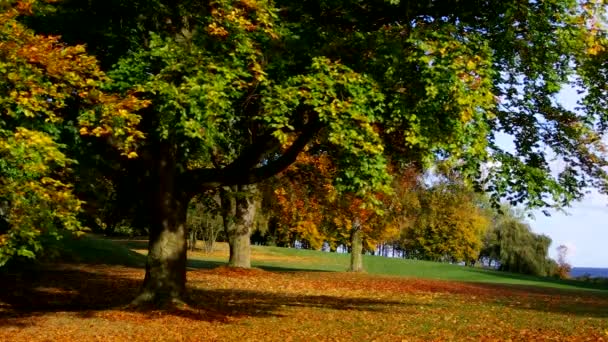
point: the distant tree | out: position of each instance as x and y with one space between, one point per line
314 211
447 226
310 207
563 267
204 221
301 198
512 245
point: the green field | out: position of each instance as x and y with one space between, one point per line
122 251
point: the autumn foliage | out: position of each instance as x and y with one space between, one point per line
48 90
447 226
442 221
311 209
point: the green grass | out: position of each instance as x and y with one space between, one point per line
323 261
93 249
443 271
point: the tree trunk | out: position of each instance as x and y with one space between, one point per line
210 236
192 239
238 211
165 280
356 256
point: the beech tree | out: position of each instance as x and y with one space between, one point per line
239 88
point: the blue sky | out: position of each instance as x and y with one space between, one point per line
584 228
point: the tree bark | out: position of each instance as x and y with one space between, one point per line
356 251
165 280
238 211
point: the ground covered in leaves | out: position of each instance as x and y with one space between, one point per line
78 302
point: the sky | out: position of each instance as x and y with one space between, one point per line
582 230
584 226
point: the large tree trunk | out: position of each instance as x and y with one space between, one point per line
165 280
356 250
238 211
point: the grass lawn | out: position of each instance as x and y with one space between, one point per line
293 295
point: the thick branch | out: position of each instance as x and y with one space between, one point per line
289 157
253 154
242 170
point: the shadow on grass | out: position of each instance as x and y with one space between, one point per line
86 289
94 250
282 269
136 243
91 249
210 264
138 260
204 264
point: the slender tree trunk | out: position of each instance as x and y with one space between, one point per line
165 280
238 209
210 237
356 243
192 239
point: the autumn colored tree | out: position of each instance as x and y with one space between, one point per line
239 88
447 225
301 198
309 206
48 90
384 220
563 267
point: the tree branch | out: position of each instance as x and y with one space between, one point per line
243 171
